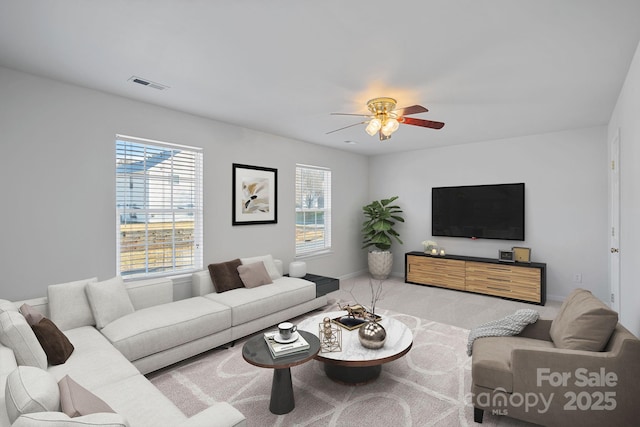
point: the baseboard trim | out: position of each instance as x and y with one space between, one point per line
352 275
359 273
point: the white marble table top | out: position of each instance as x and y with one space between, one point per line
399 341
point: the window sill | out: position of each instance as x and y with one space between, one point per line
172 276
319 254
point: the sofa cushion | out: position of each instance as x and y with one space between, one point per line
155 329
16 334
254 275
76 400
55 344
109 301
491 363
94 361
269 264
30 389
250 304
68 304
141 403
583 323
224 275
32 315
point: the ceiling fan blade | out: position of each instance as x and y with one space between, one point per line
349 114
346 127
414 109
422 123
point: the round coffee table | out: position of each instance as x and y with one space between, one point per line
255 351
355 364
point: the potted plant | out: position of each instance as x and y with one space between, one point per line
377 232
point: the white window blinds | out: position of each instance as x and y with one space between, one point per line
158 207
313 210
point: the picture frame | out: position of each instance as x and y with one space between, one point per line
505 256
521 254
254 195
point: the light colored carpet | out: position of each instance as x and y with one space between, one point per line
427 387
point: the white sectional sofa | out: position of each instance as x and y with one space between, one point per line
258 308
115 346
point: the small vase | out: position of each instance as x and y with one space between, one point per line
372 335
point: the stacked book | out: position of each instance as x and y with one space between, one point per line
285 349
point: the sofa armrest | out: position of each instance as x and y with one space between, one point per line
220 414
558 371
538 330
201 283
59 419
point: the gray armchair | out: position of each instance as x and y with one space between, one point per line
582 368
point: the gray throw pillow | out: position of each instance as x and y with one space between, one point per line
77 401
32 315
583 323
254 275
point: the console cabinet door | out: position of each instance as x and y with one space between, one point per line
504 280
441 272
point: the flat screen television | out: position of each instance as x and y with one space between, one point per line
478 211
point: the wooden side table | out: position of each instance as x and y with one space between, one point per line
255 352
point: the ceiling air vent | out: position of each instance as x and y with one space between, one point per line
148 83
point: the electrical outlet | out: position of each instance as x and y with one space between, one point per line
577 278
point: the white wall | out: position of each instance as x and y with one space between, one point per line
57 170
565 176
625 118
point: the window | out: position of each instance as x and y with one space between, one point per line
313 210
158 207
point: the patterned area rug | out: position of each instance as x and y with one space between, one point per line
427 387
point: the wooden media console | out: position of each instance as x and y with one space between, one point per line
517 281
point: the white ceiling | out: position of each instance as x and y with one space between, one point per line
489 69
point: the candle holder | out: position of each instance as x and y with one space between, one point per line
330 337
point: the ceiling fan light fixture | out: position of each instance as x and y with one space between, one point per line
374 126
390 126
384 119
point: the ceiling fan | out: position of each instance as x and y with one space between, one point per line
385 118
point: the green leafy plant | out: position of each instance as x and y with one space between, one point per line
377 229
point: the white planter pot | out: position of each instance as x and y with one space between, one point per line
380 263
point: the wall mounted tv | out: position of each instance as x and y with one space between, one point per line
478 211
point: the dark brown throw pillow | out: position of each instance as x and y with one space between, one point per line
55 344
225 275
